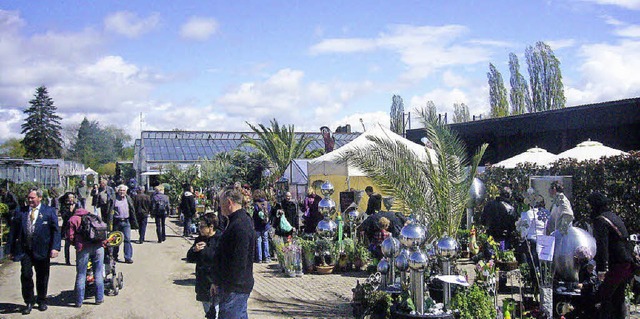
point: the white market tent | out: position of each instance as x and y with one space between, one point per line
90 171
344 176
590 150
534 155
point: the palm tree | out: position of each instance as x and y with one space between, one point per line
435 190
278 144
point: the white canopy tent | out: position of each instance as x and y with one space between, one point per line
590 150
90 171
534 155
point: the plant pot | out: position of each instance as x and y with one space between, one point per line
402 315
507 265
323 270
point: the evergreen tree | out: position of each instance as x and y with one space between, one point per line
497 93
519 95
545 78
42 138
397 115
461 113
97 146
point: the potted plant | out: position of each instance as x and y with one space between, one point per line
361 257
308 253
378 304
474 302
324 259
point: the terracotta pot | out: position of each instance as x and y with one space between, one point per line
323 270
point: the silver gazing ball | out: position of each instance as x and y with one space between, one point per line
326 228
567 246
352 216
413 236
478 191
327 207
418 260
326 189
390 247
402 260
447 247
383 266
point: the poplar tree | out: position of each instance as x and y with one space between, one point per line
461 113
519 95
545 78
41 129
397 115
497 93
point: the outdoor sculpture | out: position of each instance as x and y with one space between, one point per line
326 227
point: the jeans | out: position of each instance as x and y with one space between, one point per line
187 225
96 254
262 245
162 236
125 228
233 305
143 227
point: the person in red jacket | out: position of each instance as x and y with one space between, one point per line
86 250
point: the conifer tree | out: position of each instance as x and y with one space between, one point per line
519 95
397 115
545 77
41 129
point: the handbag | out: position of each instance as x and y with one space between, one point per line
285 226
635 259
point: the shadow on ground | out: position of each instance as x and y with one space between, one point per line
185 282
297 308
7 308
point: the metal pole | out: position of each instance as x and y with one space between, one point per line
446 292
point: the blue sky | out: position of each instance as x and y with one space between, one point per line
213 65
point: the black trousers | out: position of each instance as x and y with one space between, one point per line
160 228
28 264
142 230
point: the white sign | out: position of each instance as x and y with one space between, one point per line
545 247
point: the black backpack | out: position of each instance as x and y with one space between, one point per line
93 229
160 207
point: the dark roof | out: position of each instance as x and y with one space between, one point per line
615 124
166 146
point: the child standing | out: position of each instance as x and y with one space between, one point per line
379 237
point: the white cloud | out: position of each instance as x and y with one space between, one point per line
130 25
369 120
629 31
560 44
199 28
627 4
423 49
10 21
609 72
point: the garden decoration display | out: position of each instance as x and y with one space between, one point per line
446 249
326 227
383 268
292 259
402 264
390 250
412 236
567 243
477 194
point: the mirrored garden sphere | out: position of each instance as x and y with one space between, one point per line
413 235
327 207
383 266
402 260
447 247
390 247
326 189
477 191
418 260
326 228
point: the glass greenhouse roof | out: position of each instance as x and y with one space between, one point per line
166 146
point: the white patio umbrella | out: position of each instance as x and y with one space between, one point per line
534 155
590 150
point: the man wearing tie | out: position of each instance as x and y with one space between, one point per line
34 239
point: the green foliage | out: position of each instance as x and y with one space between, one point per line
616 177
461 113
545 78
41 129
474 302
95 146
519 95
379 302
497 93
396 115
13 148
278 144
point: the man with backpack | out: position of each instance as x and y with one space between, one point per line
86 232
160 210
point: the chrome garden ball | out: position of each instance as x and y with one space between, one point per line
352 216
413 236
326 228
326 189
478 192
576 242
327 207
447 247
402 260
383 266
390 247
418 260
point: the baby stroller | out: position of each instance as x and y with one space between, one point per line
113 280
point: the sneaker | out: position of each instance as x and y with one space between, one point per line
99 302
128 261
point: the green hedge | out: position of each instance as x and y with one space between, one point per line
617 177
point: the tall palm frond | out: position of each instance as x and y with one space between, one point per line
436 190
278 144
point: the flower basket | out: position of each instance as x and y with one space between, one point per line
323 270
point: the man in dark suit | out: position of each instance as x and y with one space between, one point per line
34 239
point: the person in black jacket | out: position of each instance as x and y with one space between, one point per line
233 261
202 253
499 216
187 208
613 258
374 204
